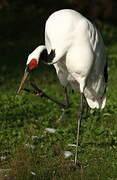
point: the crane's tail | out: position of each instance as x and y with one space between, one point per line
98 104
95 93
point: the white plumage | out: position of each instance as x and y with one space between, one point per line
79 57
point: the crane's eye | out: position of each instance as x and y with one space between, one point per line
33 64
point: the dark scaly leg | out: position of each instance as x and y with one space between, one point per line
79 118
40 93
86 108
66 102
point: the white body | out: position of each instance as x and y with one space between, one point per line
79 54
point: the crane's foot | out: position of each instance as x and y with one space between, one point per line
34 92
77 165
61 116
74 166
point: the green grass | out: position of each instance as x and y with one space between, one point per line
26 116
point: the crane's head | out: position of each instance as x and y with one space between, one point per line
32 62
40 53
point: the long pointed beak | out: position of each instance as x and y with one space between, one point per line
26 72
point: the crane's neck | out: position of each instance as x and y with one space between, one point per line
41 53
36 54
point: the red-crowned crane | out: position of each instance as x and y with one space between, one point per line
76 49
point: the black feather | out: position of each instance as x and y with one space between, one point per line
47 58
106 72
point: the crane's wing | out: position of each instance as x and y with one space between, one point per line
96 84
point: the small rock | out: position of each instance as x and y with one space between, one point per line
30 146
34 137
33 173
67 154
50 130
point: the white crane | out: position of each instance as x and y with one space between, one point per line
76 49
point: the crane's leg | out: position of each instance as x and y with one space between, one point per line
79 118
86 107
40 93
66 102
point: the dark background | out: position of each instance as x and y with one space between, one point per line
94 9
22 26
